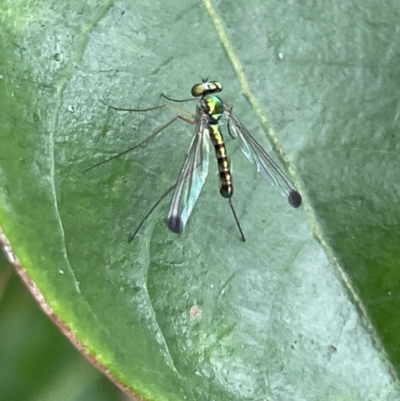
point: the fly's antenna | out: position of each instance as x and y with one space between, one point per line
177 100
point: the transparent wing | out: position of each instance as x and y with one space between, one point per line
262 160
191 178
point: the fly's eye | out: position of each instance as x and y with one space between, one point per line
197 90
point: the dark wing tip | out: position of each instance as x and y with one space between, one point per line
175 224
295 198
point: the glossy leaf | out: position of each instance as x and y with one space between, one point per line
307 308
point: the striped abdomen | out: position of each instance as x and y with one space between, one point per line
213 106
224 164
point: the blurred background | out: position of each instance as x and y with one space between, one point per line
36 361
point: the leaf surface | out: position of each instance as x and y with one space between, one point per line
306 308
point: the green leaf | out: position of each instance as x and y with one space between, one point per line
306 308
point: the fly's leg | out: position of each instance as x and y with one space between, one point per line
188 119
151 211
237 220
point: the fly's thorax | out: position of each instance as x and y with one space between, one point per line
206 88
213 106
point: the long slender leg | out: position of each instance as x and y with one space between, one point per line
151 211
138 110
157 131
189 117
237 220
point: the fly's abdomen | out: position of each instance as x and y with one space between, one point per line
224 164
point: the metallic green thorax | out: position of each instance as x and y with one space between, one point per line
214 107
